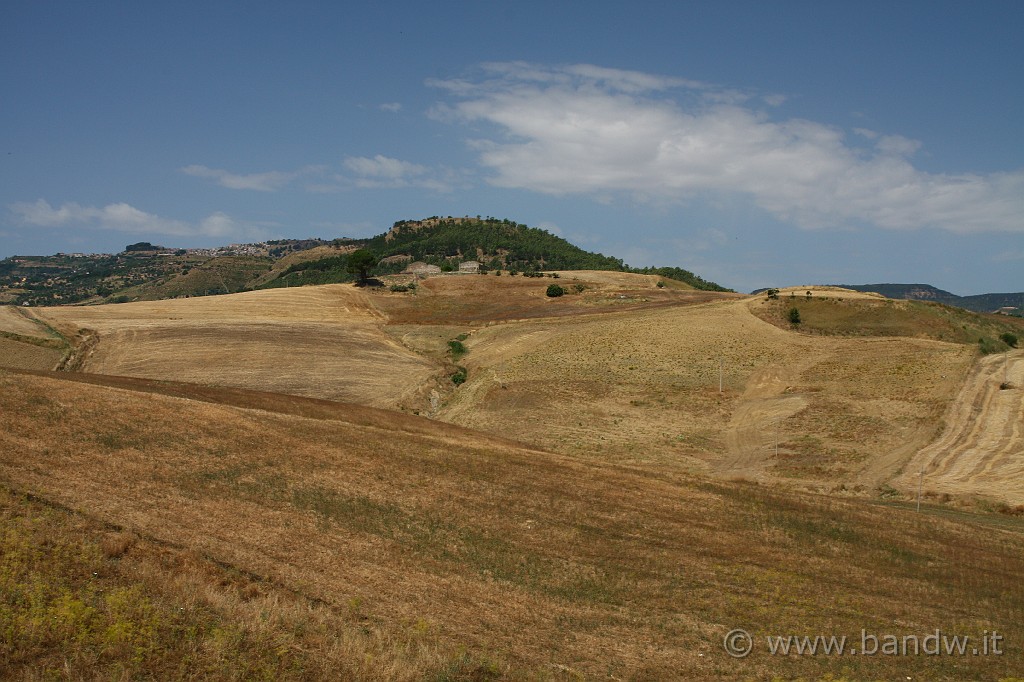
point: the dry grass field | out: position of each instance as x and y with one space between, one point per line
27 343
213 490
22 322
483 299
642 387
322 342
173 537
982 447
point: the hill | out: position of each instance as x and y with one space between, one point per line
498 245
143 271
191 535
148 272
619 369
244 486
982 303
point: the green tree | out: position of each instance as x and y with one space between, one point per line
359 264
794 316
555 291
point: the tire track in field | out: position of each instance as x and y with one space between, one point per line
981 449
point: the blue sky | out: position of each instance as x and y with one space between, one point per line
755 143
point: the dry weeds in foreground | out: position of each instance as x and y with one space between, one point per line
539 566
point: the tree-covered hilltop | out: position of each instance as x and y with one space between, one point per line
495 244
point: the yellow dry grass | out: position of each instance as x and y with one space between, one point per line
19 321
981 450
642 386
442 546
316 341
27 356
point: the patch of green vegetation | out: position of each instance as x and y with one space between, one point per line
457 348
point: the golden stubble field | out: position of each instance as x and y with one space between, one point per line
324 342
179 535
642 387
620 371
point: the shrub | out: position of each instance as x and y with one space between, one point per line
1009 338
555 291
457 348
794 316
661 285
399 287
579 288
459 377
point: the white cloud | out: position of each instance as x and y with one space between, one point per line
123 217
384 172
392 107
260 182
589 130
384 167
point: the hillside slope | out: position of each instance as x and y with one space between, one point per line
321 342
641 386
430 552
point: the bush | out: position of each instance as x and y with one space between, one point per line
459 377
794 316
1009 338
555 291
399 287
457 348
987 345
661 285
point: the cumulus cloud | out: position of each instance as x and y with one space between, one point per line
585 129
261 182
123 217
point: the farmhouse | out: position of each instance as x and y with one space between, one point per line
469 266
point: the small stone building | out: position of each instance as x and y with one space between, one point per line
469 266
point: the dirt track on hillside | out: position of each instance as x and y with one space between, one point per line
981 450
753 427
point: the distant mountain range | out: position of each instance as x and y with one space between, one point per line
982 303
